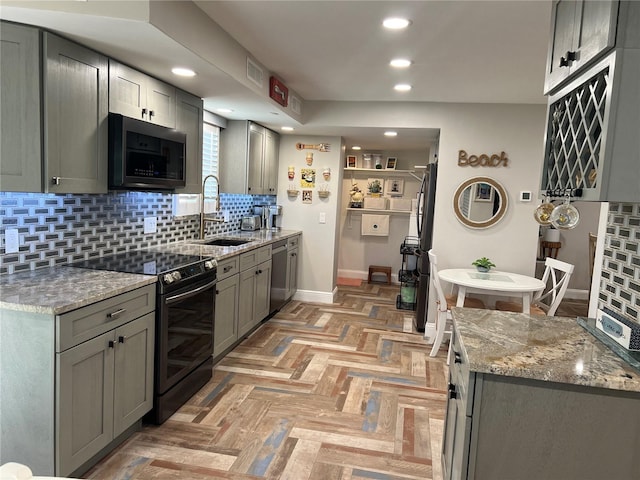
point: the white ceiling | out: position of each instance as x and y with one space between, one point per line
462 51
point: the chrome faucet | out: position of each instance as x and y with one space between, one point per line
203 218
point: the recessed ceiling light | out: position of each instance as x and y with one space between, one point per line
390 134
287 129
183 72
400 63
396 23
224 110
402 87
356 147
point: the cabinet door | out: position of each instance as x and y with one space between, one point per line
84 398
225 331
270 166
595 30
133 384
246 302
127 92
76 106
161 103
292 272
263 291
255 160
189 120
563 18
20 145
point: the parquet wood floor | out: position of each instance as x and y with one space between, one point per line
343 391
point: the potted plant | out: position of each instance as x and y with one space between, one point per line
375 188
483 264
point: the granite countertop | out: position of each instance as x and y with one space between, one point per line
257 238
553 349
56 290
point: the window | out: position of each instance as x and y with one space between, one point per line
210 150
189 204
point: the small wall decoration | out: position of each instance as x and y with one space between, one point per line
323 190
307 178
322 147
351 161
484 192
391 163
291 172
394 186
375 185
307 196
309 158
326 173
484 160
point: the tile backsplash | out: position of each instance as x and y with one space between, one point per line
620 281
58 229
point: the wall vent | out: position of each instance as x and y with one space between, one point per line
296 104
254 72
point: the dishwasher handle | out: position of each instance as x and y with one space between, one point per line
278 250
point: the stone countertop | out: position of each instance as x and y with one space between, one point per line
57 290
552 349
257 238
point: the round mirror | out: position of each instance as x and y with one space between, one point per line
480 202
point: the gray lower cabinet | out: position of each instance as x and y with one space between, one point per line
500 427
72 383
255 288
225 332
57 142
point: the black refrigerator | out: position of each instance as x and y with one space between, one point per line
424 217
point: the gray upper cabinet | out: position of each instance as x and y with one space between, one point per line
137 95
76 108
581 32
189 118
591 138
248 159
72 113
20 120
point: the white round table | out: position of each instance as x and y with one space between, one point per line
469 280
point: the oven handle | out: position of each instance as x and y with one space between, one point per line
191 293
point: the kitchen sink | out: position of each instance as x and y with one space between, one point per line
226 242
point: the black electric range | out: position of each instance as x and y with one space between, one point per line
174 270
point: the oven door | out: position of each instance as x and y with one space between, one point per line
185 332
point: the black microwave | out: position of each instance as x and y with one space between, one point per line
145 156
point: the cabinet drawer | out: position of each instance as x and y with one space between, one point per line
293 241
228 267
85 323
254 257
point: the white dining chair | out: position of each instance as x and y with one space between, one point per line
545 302
444 305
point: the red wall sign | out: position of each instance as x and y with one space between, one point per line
278 91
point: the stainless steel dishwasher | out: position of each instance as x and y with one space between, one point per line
278 276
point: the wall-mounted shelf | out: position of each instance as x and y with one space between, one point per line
380 212
383 172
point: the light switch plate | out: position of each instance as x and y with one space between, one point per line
150 225
11 240
322 217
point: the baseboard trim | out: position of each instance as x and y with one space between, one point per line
313 296
576 294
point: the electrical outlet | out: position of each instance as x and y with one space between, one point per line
11 240
322 217
227 216
150 224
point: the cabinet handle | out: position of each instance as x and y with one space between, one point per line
121 339
151 114
226 269
217 292
144 112
111 344
294 254
55 180
457 358
452 391
116 314
567 59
